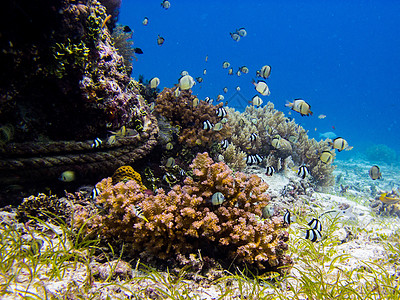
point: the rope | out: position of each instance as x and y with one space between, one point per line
21 162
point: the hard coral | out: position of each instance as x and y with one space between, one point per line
183 221
267 122
183 111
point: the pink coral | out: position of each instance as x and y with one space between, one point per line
184 221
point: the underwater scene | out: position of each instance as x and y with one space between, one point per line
199 149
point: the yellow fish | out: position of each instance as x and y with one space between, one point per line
389 199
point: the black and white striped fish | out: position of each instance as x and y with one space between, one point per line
224 144
313 235
253 159
207 125
269 171
253 137
258 158
250 160
137 210
303 172
315 224
221 112
95 193
287 217
96 143
208 100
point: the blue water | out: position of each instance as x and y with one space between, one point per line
342 57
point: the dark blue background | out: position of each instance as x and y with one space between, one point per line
343 57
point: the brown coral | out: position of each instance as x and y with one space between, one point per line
184 221
183 111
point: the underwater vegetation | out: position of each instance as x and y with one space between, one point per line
217 212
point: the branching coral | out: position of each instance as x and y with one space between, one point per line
183 111
268 124
184 221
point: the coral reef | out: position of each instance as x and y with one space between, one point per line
45 208
66 85
381 153
189 113
184 220
123 43
267 124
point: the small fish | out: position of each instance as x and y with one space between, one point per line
389 199
195 102
206 58
238 88
96 143
258 158
287 217
218 127
276 141
269 171
339 144
221 112
170 162
262 87
303 172
184 73
208 100
224 144
321 117
230 71
225 90
256 101
154 82
375 173
138 50
220 98
242 32
326 157
160 40
264 72
95 193
235 36
226 65
186 82
126 28
67 176
241 123
238 73
145 21
224 120
300 106
165 4
250 160
169 146
207 125
268 211
244 69
177 92
204 71
199 79
217 198
253 137
137 210
313 235
315 224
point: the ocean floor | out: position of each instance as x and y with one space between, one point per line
359 250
